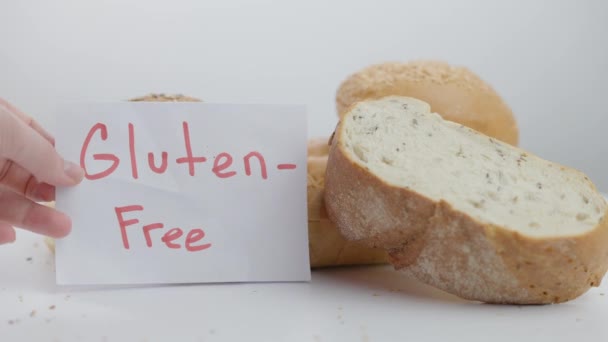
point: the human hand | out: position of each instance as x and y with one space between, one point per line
30 169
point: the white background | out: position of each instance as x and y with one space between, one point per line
548 59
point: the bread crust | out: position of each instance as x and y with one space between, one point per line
327 247
452 251
455 92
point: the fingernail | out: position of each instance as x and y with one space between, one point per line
75 172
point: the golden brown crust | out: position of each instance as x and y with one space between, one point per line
327 246
450 250
456 93
494 265
318 147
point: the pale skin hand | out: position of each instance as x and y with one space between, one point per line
30 169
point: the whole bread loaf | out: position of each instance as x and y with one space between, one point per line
455 92
462 211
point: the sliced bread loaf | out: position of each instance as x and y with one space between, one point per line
462 211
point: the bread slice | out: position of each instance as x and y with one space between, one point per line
462 211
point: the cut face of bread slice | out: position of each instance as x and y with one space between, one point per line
463 211
490 181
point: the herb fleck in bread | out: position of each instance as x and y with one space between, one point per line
462 211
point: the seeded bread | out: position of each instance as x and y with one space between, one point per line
455 92
462 211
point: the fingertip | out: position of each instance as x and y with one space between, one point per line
62 224
73 172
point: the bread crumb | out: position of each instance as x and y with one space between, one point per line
52 307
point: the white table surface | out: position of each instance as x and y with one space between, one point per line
348 304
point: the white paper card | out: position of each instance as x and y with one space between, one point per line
205 193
